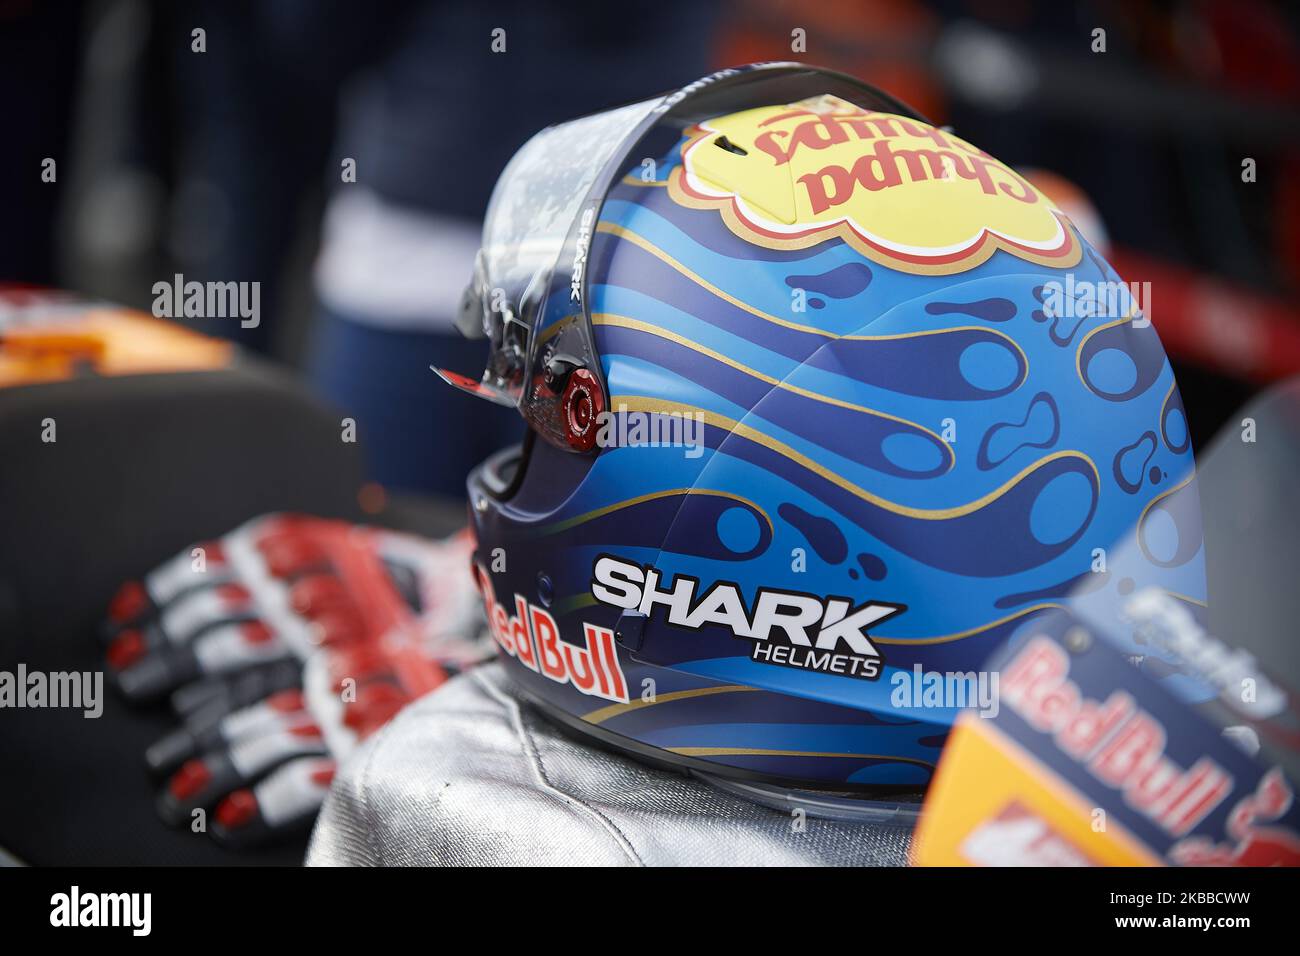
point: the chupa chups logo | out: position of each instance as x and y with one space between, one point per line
785 627
1117 742
532 637
792 176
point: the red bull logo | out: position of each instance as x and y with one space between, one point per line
532 637
1118 742
1256 841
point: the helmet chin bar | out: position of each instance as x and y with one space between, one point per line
498 474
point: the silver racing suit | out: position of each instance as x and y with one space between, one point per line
472 775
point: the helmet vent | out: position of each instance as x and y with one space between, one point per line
723 143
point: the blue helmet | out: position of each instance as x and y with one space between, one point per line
823 400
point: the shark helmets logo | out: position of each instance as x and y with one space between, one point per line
788 177
581 248
788 628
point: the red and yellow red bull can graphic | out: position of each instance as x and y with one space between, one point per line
1089 763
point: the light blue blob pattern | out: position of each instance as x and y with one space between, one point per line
738 530
912 452
1176 428
1160 534
988 366
1060 508
1112 371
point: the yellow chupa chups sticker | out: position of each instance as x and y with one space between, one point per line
902 192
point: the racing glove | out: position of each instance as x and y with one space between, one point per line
378 618
271 769
274 590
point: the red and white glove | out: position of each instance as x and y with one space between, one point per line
278 587
274 776
377 618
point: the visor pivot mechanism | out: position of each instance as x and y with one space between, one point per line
583 404
556 373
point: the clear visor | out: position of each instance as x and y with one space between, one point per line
529 290
533 208
1236 660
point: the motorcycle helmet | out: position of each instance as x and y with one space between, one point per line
816 418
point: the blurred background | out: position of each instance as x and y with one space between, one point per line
342 154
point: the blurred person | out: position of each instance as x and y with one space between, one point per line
428 128
39 71
256 111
